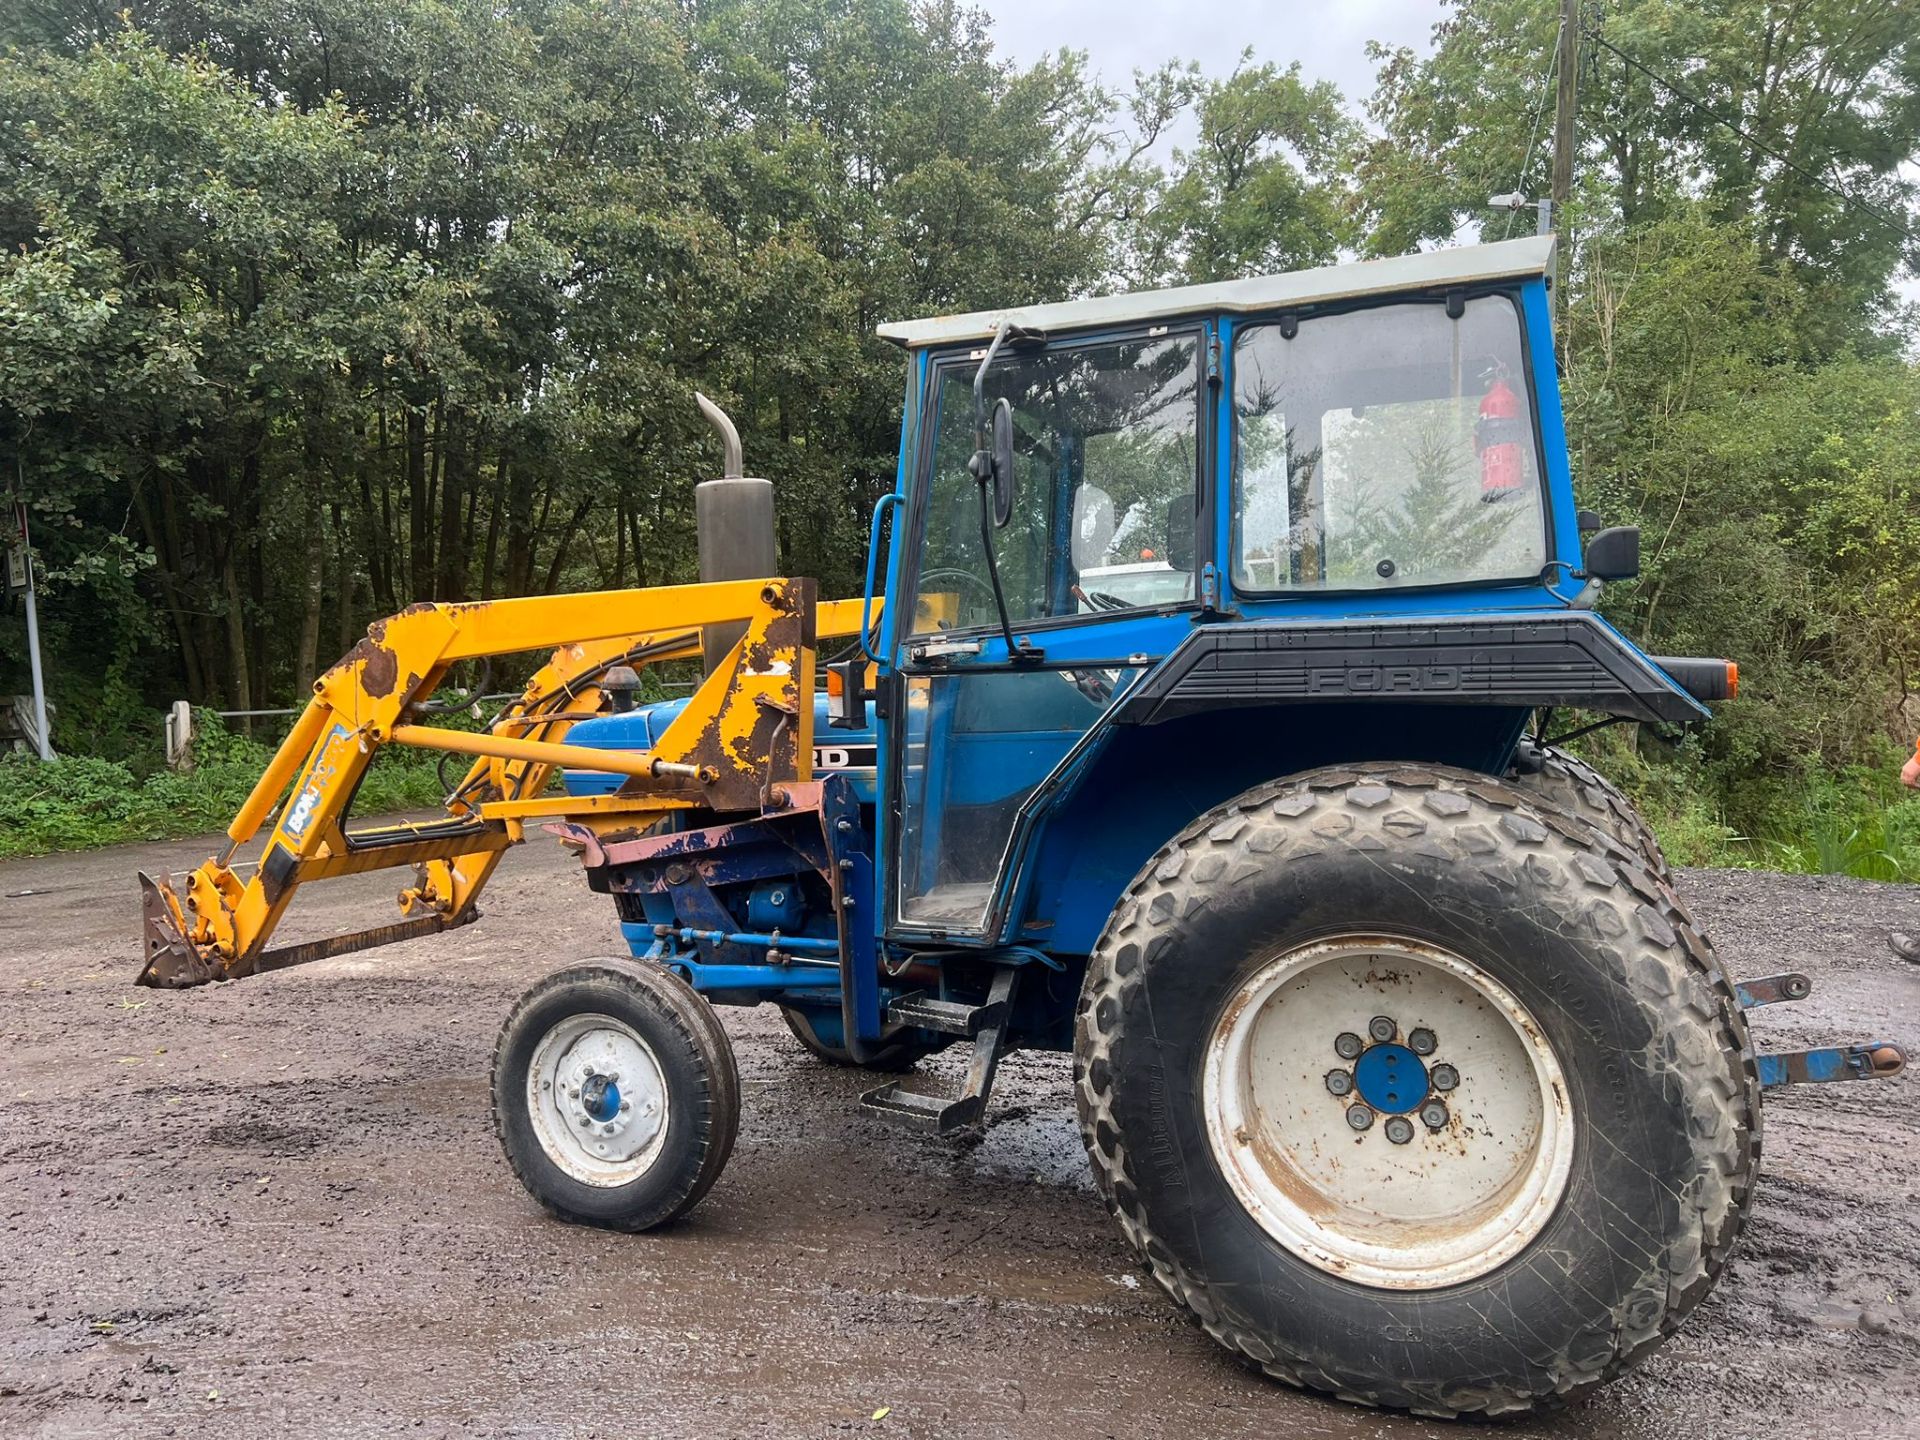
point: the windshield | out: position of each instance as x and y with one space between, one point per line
1105 453
1386 447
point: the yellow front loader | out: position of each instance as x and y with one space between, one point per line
745 734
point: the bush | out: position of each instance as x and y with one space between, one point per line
78 802
1859 821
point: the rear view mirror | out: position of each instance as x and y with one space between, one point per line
1180 532
1002 463
1614 554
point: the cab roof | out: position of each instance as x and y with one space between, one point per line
1526 258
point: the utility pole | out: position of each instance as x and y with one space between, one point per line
1566 66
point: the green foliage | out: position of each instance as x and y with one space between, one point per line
1262 189
307 312
81 801
1856 821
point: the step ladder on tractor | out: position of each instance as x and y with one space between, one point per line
1203 715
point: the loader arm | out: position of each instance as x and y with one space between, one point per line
745 733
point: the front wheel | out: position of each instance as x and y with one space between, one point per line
615 1094
1415 1093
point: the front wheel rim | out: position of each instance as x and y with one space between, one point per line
597 1099
1388 1112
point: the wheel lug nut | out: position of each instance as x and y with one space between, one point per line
1421 1041
625 1106
1339 1082
1433 1115
585 1121
1444 1077
1359 1117
1399 1129
1381 1027
1347 1045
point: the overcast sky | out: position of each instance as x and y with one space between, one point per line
1329 39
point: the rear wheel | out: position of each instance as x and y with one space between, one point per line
1566 782
1414 1093
615 1094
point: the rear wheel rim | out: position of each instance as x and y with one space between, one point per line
1387 1111
598 1100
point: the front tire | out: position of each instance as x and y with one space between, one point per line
615 1094
1582 1189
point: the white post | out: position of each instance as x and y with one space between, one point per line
180 736
40 736
33 640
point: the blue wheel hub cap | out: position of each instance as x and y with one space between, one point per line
1390 1078
600 1098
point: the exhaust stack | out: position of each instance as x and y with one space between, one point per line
734 518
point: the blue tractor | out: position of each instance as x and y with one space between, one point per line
1203 719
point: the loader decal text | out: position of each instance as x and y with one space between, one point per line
300 813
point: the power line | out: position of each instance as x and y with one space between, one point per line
1890 221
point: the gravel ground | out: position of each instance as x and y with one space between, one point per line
277 1207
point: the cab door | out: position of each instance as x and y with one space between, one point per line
1097 570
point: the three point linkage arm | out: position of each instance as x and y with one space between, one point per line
747 729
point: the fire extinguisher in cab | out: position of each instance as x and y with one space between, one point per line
1498 439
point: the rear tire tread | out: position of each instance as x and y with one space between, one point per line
1569 783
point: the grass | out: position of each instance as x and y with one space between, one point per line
1860 822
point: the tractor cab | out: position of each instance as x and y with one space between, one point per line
1239 490
1375 432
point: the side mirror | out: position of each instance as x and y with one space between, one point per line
993 466
1614 554
1002 463
1180 532
1589 521
846 694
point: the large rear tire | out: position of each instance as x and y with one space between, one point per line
1553 776
615 1094
1562 1104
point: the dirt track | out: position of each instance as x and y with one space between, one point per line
277 1207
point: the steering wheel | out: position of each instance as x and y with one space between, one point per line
979 582
1100 600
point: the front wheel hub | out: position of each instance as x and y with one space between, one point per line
597 1098
600 1098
